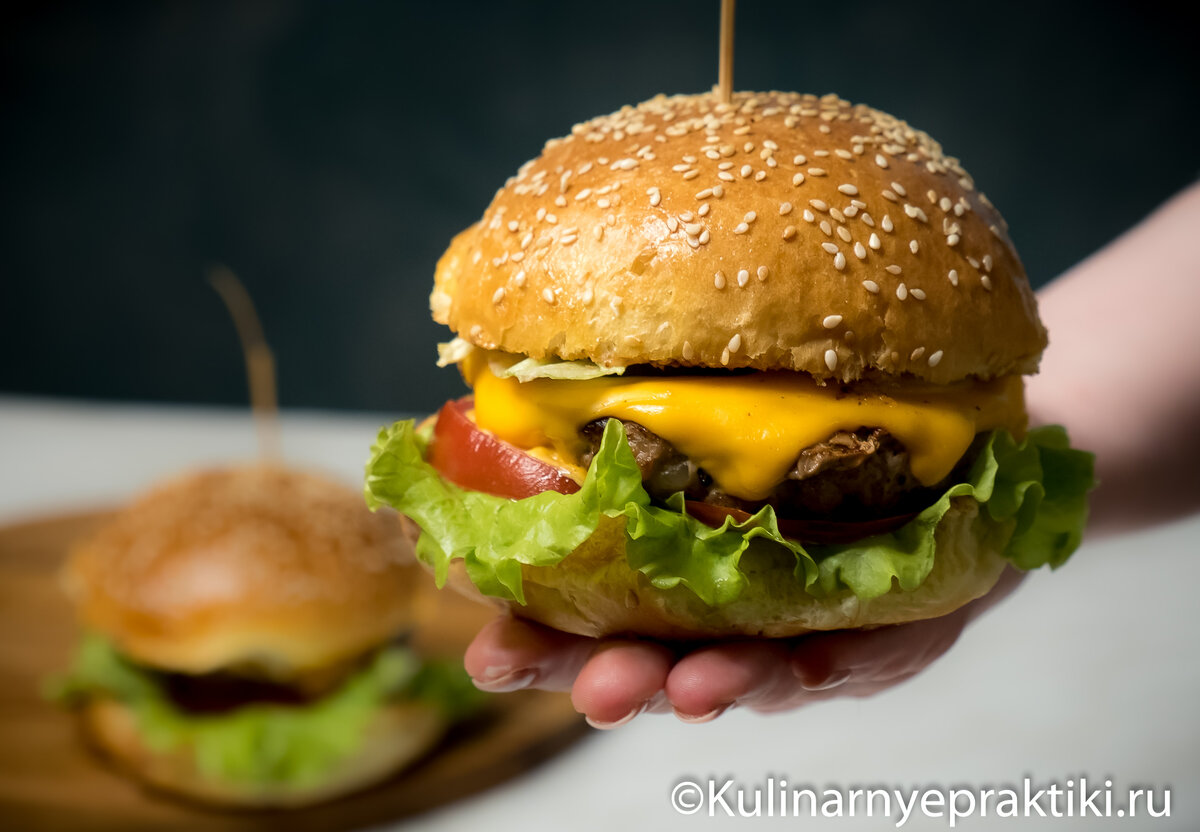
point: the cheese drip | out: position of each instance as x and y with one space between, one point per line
746 430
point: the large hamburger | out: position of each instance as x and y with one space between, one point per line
242 641
747 369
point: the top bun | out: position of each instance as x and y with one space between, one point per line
782 231
259 568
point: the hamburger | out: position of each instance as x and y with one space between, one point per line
738 369
242 641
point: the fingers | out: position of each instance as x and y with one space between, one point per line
705 683
621 680
509 654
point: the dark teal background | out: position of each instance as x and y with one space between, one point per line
328 151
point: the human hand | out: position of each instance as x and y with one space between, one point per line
613 680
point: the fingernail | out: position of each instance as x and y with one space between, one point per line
833 680
692 719
500 682
608 726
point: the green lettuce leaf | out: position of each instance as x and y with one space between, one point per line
266 743
1040 483
507 365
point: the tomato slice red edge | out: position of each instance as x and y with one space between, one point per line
472 458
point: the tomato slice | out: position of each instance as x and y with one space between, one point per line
472 458
804 531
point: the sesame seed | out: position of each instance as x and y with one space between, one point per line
987 262
851 211
599 231
871 286
831 359
917 353
848 189
704 194
860 251
735 343
935 358
760 176
548 296
719 280
974 263
830 247
889 196
987 282
692 174
902 291
567 239
681 168
887 223
827 228
798 179
868 220
718 191
919 294
551 218
952 240
842 153
844 233
932 196
953 276
746 171
750 216
914 246
725 357
819 204
527 239
725 166
743 277
816 171
725 176
893 269
785 208
693 228
655 199
672 224
498 295
789 232
808 215
945 203
519 279
881 160
688 352
705 237
587 296
898 188
836 214
831 321
703 210
584 194
799 160
873 242
839 261
763 272
741 228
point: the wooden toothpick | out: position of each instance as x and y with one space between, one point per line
260 363
725 67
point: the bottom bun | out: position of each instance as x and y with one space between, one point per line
593 591
397 736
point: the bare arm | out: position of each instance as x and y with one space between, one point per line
1123 368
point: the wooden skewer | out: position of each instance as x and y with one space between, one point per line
260 363
725 67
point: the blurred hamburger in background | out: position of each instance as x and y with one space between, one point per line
739 369
244 643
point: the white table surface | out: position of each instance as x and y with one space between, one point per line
1092 670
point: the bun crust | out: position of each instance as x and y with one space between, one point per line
593 592
780 232
264 568
398 735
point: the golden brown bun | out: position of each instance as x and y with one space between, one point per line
260 568
398 735
593 592
579 257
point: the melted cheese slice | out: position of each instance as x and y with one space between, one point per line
745 430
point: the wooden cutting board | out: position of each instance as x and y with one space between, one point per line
49 780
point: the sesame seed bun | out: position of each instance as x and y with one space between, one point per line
780 232
594 592
397 735
260 567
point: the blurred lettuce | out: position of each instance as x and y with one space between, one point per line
1041 483
266 743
